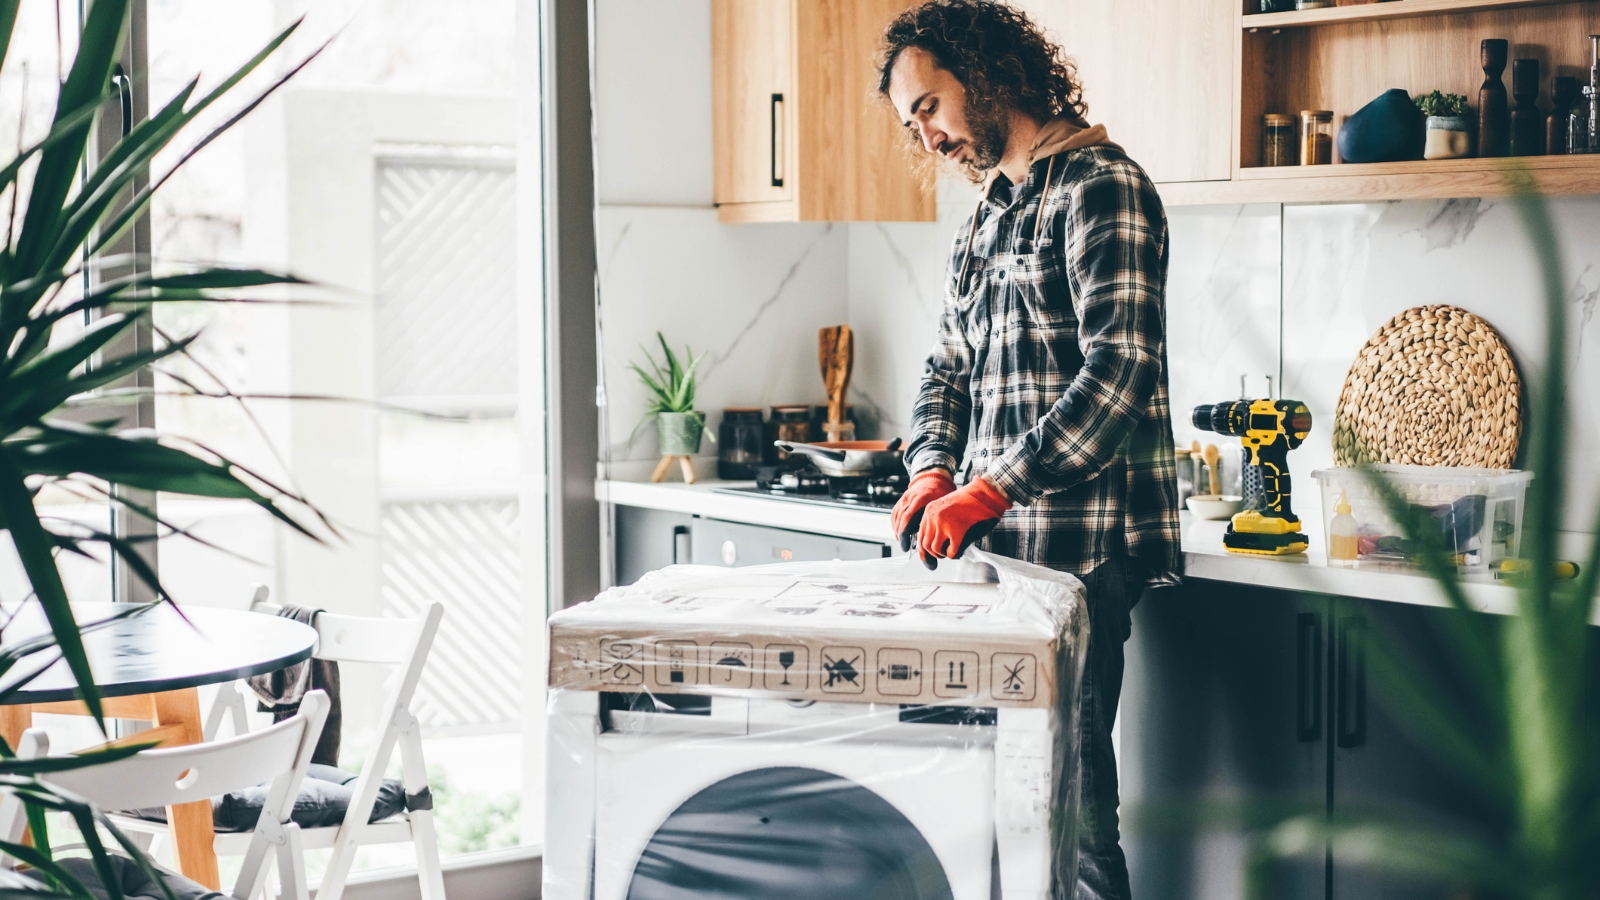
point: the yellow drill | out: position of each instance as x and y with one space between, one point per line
1268 429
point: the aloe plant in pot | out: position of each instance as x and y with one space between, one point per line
58 226
670 404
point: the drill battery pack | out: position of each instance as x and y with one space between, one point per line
1252 532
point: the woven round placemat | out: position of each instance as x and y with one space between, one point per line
1435 386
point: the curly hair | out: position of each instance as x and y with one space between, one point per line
999 55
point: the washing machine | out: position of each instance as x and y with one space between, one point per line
796 733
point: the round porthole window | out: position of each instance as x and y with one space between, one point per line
787 833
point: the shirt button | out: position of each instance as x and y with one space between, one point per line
1000 275
983 453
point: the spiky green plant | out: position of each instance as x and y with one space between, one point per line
72 213
670 382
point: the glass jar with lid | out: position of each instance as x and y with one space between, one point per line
1278 142
741 443
790 423
1316 137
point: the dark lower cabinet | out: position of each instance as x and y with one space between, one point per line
1222 715
1242 703
1382 756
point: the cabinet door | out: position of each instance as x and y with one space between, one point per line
1222 701
752 59
1379 758
1158 74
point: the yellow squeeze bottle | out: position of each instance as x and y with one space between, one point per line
1343 534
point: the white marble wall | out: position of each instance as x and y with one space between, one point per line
1351 268
751 296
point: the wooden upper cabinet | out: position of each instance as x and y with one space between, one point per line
1158 74
798 131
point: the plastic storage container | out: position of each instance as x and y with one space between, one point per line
1478 510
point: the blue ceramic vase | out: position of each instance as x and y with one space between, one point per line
1389 129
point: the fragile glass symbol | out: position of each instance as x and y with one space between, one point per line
786 659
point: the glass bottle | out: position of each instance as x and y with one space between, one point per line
1278 143
1344 535
1316 137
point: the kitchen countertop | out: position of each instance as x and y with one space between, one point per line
1204 556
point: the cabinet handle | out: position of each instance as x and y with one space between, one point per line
681 550
777 174
1351 680
1308 681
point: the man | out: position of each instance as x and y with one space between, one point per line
1046 392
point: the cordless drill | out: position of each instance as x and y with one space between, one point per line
1268 429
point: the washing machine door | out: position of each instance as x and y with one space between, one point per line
787 833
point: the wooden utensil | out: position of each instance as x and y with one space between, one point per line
1212 456
836 356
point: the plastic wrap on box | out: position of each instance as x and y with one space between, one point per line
818 730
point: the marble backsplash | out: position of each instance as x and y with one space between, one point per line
754 295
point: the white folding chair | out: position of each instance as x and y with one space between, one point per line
403 644
229 705
172 775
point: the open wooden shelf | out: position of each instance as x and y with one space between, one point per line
1372 12
1374 182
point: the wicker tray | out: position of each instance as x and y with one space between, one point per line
1435 386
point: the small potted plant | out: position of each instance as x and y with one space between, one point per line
679 426
1449 128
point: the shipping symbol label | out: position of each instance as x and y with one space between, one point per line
1012 676
899 672
731 664
785 667
843 670
955 673
677 663
622 662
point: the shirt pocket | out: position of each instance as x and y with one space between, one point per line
1039 280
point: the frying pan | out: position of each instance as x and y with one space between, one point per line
848 459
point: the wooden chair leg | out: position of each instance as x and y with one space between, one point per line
193 838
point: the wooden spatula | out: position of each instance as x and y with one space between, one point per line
836 355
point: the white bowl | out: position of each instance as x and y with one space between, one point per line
1214 506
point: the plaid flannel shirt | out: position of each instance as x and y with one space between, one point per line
1049 374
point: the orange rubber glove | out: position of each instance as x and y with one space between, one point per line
952 524
925 488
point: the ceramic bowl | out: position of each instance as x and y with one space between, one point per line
1214 506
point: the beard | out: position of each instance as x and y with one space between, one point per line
990 130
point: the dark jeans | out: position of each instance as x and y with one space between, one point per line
1112 590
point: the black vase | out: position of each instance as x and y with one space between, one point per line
1389 129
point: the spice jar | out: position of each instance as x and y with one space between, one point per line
1277 140
791 424
1316 137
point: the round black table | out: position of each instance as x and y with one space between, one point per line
158 651
147 667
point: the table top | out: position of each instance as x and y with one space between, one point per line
158 651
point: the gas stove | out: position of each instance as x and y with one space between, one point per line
810 486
